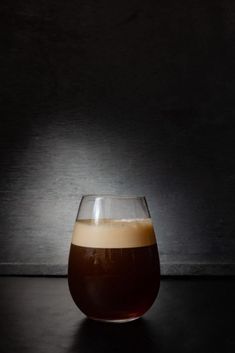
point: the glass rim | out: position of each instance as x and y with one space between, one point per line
113 196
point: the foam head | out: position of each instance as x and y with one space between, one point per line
111 233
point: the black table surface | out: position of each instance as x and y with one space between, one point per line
189 315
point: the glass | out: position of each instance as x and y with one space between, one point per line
114 271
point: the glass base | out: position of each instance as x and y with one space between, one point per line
118 321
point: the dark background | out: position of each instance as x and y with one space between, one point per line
126 97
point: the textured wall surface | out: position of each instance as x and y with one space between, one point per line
122 97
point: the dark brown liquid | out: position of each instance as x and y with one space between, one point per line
114 284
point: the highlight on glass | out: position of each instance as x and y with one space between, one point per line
114 270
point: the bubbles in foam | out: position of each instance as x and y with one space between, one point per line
114 233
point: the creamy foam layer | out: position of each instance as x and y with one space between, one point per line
111 233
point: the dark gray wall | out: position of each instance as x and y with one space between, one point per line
127 97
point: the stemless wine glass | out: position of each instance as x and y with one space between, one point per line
114 271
